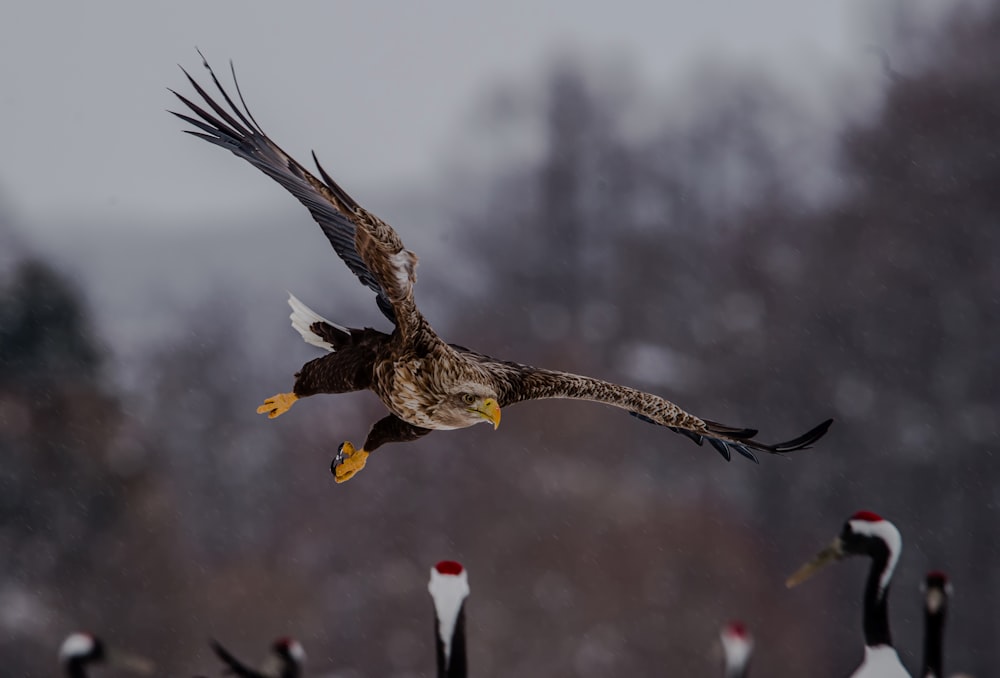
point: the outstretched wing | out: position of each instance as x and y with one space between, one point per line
369 247
517 383
233 665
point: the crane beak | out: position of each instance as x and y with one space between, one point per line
934 601
490 411
272 666
132 663
833 552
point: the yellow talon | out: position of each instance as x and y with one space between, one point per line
275 406
348 462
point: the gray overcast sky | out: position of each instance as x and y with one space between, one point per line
376 88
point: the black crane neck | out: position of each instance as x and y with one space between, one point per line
738 671
76 668
456 665
876 609
934 643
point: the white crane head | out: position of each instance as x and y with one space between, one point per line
937 591
81 647
737 646
86 648
288 657
864 534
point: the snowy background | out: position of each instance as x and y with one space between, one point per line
738 206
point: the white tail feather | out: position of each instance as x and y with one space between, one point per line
303 319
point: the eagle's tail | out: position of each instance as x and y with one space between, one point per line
314 328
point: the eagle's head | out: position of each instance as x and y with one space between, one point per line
468 403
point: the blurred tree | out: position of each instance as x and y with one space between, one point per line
56 420
73 529
44 337
11 246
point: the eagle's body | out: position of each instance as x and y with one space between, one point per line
417 380
425 383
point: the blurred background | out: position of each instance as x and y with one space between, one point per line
770 212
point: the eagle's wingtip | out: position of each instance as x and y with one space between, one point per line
807 439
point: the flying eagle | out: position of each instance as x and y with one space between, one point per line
426 383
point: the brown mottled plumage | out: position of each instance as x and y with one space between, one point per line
425 383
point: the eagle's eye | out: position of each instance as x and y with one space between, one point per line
468 399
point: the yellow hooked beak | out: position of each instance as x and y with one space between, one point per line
833 552
490 411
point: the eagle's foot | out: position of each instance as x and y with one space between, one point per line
348 462
275 406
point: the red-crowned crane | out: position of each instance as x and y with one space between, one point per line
937 591
286 660
868 534
82 650
449 587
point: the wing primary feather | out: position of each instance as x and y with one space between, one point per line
730 431
696 437
804 441
210 122
745 451
239 93
721 447
341 194
213 131
215 140
225 95
219 110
